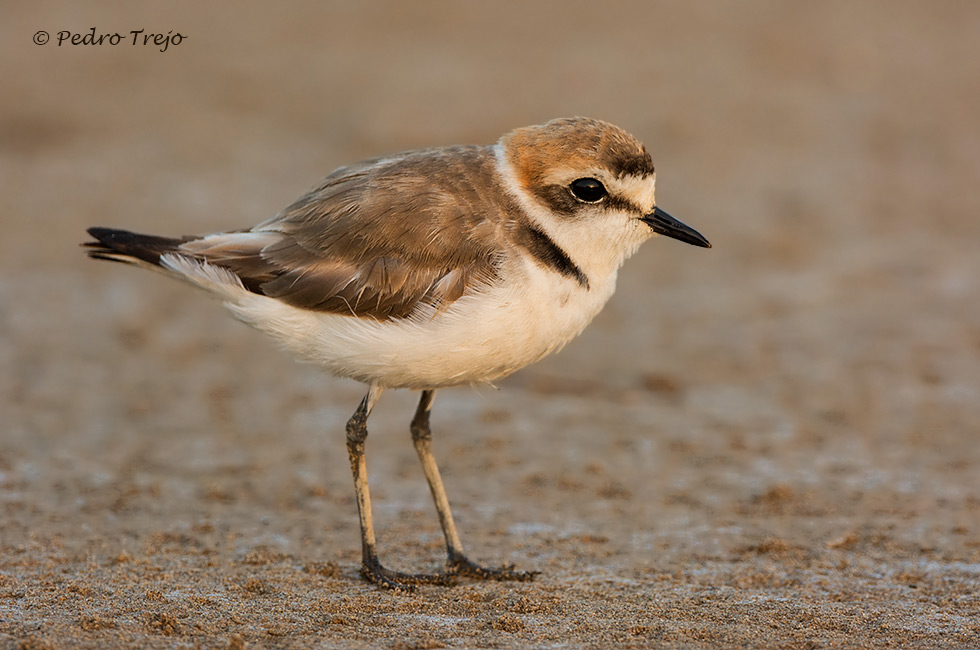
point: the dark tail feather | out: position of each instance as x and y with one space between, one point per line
124 246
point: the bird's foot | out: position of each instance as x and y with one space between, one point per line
463 566
456 567
398 581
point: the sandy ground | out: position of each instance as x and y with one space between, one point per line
773 443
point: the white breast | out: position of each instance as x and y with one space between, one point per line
479 338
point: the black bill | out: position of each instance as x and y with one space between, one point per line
664 224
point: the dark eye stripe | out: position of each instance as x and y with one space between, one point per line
617 203
559 199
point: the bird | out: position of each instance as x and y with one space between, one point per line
428 269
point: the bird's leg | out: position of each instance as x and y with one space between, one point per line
356 435
371 568
456 562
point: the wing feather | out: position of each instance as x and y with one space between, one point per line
379 239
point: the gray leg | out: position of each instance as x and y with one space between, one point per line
356 435
371 568
456 562
422 437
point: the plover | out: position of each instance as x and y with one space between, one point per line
432 268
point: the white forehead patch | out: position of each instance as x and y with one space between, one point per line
638 189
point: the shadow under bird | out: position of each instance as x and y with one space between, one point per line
432 268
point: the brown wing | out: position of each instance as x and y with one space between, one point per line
378 239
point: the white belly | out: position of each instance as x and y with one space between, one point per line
479 338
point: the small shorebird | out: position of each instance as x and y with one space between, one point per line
432 268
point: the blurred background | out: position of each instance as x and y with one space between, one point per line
814 377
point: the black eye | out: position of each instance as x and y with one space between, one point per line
588 189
